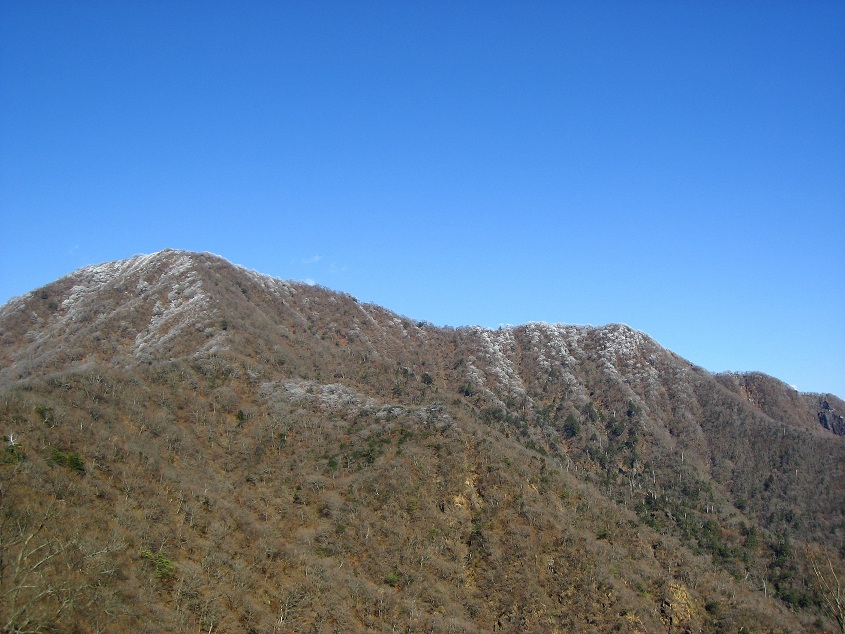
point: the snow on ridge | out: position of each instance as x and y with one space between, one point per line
274 285
89 279
629 355
498 348
171 275
622 341
178 261
187 304
616 340
95 276
15 303
551 349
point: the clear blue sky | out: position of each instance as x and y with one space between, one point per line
676 166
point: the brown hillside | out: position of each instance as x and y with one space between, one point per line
191 446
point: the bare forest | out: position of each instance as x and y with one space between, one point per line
191 446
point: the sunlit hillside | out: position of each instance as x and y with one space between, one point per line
192 446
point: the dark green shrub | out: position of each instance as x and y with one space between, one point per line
571 427
12 454
164 568
69 459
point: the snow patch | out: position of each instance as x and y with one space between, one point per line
496 354
185 305
336 398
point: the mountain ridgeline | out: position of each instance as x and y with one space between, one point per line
192 446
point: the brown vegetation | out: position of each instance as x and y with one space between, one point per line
193 447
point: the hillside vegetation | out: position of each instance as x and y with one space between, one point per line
191 446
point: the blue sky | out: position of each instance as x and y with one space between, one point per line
676 166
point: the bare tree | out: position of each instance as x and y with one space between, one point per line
830 588
25 551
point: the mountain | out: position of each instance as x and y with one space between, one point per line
193 446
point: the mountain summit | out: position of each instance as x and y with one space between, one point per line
200 446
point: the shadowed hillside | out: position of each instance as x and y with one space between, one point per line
192 446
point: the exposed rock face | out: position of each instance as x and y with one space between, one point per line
678 611
830 418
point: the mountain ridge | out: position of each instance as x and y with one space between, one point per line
163 299
660 495
99 275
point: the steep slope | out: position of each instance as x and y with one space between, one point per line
783 403
199 446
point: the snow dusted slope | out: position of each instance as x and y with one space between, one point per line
177 304
149 306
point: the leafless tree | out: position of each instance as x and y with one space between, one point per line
830 588
25 551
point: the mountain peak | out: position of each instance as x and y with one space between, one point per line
306 444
